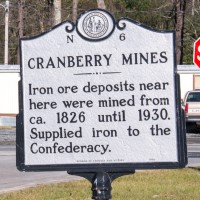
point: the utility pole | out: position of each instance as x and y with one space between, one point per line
6 8
6 32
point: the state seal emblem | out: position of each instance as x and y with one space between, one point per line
95 24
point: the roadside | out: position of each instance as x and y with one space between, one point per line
7 136
12 179
7 129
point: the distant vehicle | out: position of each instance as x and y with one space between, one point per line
191 104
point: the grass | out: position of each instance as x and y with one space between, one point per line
180 184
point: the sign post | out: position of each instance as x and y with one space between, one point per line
99 99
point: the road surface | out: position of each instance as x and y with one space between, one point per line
193 148
11 179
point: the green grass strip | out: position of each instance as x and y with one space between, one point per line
180 184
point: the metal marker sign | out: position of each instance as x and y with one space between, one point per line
99 95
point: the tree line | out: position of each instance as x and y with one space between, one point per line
29 18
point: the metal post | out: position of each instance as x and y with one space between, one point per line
101 186
101 182
6 32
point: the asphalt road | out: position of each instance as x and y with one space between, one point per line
193 148
11 179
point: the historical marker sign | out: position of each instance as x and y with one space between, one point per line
99 94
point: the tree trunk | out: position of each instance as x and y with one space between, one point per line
20 25
193 7
179 19
56 12
74 10
101 4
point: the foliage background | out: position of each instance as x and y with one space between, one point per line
158 14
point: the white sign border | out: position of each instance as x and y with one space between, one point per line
181 136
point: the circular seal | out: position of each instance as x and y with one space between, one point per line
95 24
